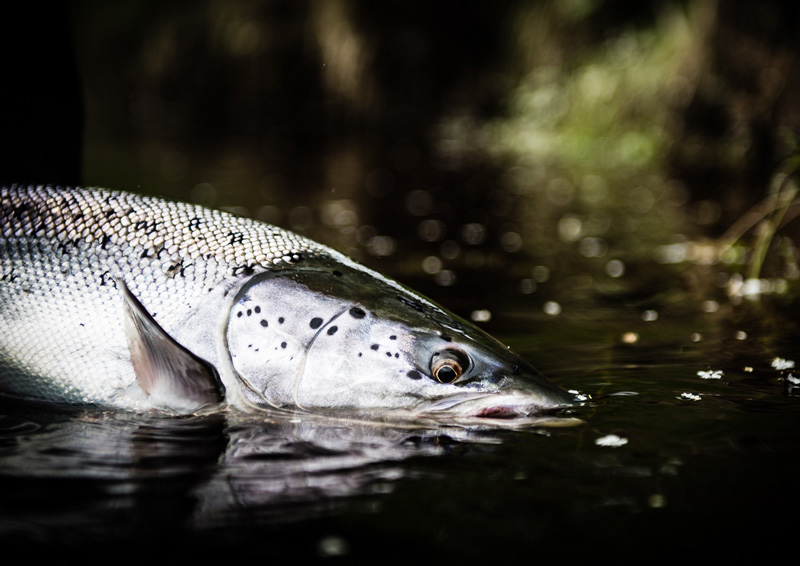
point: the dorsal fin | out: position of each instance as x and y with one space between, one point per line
172 376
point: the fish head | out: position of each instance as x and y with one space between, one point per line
340 336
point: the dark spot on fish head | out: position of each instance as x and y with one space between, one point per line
414 374
336 273
316 322
356 312
239 314
280 320
257 310
446 338
283 345
332 330
249 312
389 354
392 337
374 346
264 323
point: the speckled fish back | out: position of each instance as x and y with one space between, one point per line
61 250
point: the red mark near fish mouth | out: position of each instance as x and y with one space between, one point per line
500 412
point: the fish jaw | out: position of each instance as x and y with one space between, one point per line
505 404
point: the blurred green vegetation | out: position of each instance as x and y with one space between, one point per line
553 150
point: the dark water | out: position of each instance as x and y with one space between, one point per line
665 464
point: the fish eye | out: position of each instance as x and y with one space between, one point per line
448 366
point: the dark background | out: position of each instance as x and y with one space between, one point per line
390 126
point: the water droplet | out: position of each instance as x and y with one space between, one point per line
649 315
431 265
431 230
540 273
552 308
511 242
527 286
473 233
481 315
615 268
445 278
570 228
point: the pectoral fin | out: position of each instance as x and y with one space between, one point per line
172 376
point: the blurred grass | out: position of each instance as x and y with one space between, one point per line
529 147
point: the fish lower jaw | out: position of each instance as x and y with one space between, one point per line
484 406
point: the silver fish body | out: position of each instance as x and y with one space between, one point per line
120 300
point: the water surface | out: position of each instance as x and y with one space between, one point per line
688 442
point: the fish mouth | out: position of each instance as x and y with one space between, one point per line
494 406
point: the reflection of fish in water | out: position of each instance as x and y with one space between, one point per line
120 300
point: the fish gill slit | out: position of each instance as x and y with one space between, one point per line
301 369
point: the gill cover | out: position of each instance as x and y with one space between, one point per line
300 337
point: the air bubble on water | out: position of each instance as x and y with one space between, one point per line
473 233
741 335
579 396
449 249
615 268
592 247
672 253
552 308
611 440
527 286
481 315
711 374
649 315
570 228
339 213
511 242
381 246
540 273
431 265
780 364
332 546
431 230
630 338
445 278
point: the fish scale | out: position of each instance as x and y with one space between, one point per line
58 241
